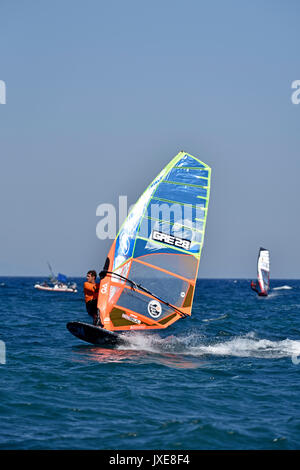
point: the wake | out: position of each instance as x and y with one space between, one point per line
197 345
282 288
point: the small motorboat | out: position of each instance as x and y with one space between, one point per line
57 287
57 284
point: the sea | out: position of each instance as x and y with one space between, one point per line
226 378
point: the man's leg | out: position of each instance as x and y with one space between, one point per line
96 314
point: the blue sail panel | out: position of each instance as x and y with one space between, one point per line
194 176
189 161
179 193
126 237
187 214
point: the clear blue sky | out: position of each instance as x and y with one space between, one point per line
102 94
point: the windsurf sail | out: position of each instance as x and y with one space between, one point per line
61 277
52 277
149 277
263 272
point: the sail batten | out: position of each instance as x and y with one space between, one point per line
177 223
201 186
178 202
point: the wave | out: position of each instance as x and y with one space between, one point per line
258 348
282 288
215 319
197 345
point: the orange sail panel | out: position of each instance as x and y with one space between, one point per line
153 263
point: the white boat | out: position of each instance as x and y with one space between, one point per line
57 287
58 284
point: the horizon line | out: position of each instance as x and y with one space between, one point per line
208 278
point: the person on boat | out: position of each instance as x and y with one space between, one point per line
91 290
253 286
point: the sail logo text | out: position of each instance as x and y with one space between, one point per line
170 240
131 318
154 308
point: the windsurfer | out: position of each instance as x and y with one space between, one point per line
91 289
254 286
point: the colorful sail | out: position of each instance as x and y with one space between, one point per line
263 270
61 278
151 268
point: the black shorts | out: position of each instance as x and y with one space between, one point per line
91 307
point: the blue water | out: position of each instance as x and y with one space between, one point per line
226 378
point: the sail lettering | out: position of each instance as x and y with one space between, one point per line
170 240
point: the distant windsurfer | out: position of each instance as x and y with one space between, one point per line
254 286
91 290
